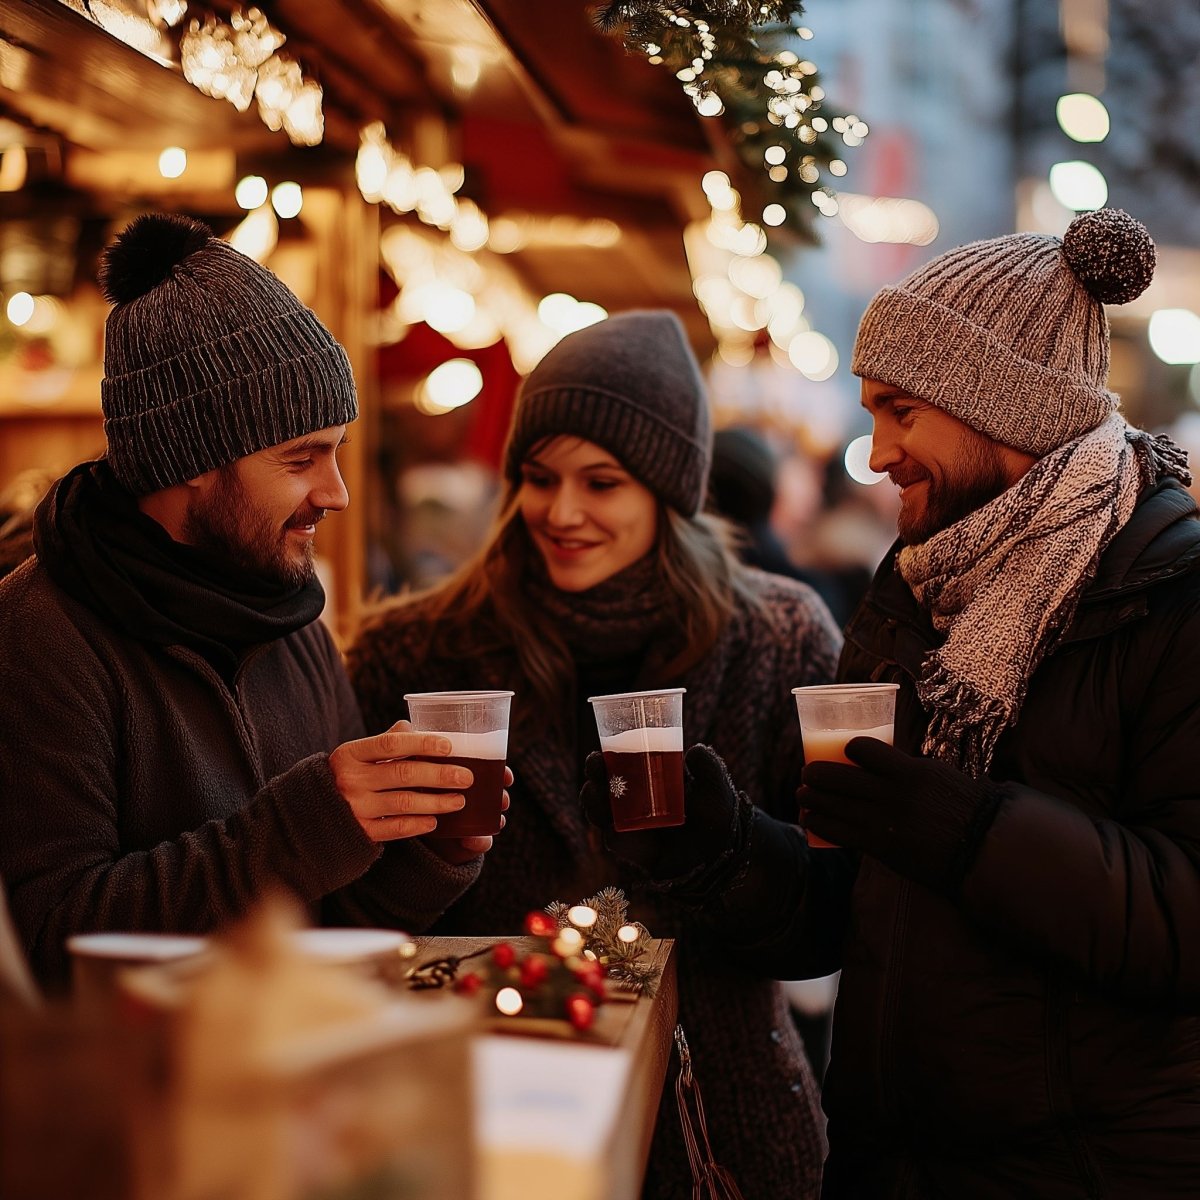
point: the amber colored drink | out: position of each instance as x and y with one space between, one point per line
829 745
483 755
645 778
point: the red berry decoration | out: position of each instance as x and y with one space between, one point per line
581 1012
534 971
468 984
504 956
540 924
591 975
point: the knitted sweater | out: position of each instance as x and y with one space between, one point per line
138 791
758 1089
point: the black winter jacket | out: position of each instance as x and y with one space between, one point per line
1039 1036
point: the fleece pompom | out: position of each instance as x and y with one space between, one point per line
146 252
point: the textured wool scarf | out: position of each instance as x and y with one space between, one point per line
1004 582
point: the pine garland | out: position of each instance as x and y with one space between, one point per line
564 977
620 956
740 52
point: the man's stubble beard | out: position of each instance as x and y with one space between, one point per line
228 526
978 478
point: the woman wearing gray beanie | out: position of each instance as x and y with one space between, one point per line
603 575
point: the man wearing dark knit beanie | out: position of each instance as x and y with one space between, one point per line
1020 942
182 732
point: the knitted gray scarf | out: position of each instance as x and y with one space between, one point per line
1004 582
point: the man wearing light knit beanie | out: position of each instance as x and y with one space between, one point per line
1018 1008
1016 904
181 734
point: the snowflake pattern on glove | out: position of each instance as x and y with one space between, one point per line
617 786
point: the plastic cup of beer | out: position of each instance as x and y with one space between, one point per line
477 725
830 715
641 738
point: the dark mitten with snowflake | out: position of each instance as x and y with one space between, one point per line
715 814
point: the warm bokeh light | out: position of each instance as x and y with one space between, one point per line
813 355
1082 117
857 460
1175 335
454 383
1078 186
172 162
509 1002
251 192
257 235
287 199
20 308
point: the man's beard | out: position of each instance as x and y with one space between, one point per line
227 525
978 477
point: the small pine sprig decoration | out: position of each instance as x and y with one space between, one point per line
617 943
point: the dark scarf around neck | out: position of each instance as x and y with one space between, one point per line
104 552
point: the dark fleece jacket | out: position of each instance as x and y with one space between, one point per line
139 791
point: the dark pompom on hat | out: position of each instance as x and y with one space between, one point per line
1009 335
632 385
208 357
145 252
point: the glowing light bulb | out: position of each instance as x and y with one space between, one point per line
509 1001
287 199
251 192
1082 117
172 162
858 461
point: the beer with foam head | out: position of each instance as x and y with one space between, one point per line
476 725
641 738
645 778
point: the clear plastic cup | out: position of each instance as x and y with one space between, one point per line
477 725
641 737
832 714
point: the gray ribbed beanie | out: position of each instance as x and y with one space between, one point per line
1009 335
632 385
208 357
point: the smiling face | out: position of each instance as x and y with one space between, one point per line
588 517
261 512
944 468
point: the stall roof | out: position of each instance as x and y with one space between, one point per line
550 116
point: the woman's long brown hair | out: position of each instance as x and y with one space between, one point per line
482 607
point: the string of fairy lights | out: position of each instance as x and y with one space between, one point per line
735 60
743 63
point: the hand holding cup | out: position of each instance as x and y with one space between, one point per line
397 783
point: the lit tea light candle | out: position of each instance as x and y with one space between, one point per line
509 1002
582 915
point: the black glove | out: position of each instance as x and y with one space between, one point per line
680 856
923 818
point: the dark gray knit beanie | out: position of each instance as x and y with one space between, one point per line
1009 335
632 385
208 357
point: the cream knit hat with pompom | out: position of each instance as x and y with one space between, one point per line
1009 335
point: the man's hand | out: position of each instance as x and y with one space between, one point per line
922 817
385 780
461 850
